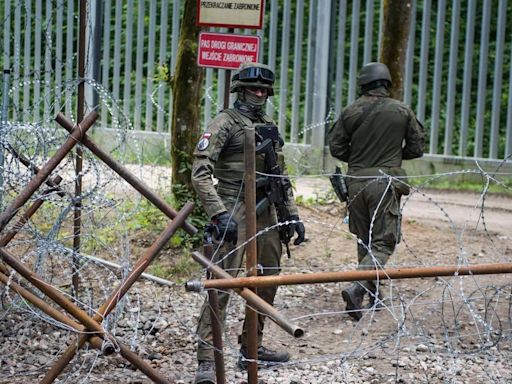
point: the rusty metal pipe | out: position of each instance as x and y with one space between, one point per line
220 373
144 367
25 217
128 354
21 222
117 295
251 255
89 323
334 277
136 183
26 162
213 300
95 341
50 291
254 300
141 265
3 269
76 135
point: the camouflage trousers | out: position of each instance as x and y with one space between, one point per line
269 251
375 218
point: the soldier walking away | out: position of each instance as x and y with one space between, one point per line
220 153
373 135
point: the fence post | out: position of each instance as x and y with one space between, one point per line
321 79
93 33
3 126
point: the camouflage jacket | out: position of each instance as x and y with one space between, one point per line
376 137
219 155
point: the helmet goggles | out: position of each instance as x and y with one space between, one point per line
255 73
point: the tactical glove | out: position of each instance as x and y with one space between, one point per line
226 227
298 227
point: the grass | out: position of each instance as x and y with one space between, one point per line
180 269
501 188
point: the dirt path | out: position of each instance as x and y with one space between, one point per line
463 209
431 330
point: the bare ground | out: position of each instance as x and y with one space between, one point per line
432 330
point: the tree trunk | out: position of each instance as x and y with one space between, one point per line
187 87
395 35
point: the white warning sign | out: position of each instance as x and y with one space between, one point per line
231 13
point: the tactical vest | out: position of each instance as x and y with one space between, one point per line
230 167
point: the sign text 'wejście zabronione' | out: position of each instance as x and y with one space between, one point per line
231 13
222 50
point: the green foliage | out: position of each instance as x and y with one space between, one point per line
318 199
198 218
163 73
152 220
502 187
101 240
181 269
185 163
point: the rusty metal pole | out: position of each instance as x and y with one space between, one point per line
251 254
95 341
34 168
44 172
253 299
25 216
213 300
144 367
92 323
77 213
136 183
50 291
141 265
118 294
334 277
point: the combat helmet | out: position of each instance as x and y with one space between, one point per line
253 75
372 72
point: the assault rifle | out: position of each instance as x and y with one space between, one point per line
276 188
339 185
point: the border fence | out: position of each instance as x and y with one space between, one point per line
458 72
445 324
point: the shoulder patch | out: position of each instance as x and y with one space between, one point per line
204 142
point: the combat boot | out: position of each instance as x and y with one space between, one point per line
354 296
205 373
265 357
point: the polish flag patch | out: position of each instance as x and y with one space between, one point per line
204 142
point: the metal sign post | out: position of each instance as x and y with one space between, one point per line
229 51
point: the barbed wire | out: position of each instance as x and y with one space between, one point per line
404 333
433 329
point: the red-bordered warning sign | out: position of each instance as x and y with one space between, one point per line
222 50
230 13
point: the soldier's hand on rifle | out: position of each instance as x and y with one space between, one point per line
227 227
298 227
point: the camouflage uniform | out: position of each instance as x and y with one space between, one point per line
369 145
220 153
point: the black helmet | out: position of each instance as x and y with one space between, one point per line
253 75
372 72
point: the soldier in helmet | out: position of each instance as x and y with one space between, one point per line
373 135
220 153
